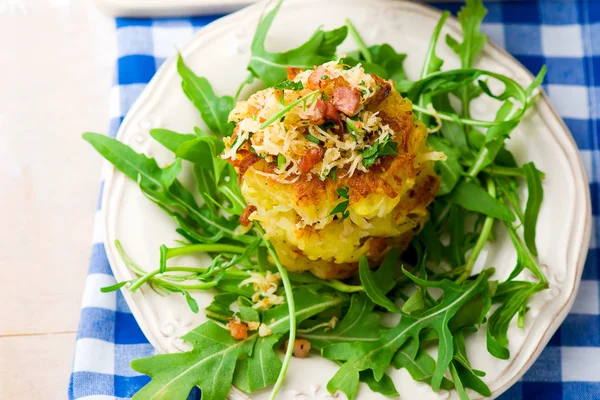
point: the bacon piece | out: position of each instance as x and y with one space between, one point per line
301 348
331 113
314 80
319 116
238 329
324 112
383 91
249 160
376 247
292 72
311 158
346 100
244 218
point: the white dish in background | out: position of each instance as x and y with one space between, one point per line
169 8
563 227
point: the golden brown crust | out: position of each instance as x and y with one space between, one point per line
387 203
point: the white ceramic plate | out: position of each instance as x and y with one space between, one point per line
220 52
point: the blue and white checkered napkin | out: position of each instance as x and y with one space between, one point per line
563 34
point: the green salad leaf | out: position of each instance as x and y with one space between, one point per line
212 363
377 356
214 110
270 68
360 324
535 195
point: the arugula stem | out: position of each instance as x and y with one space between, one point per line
362 47
486 230
332 283
291 309
503 171
204 248
429 56
201 286
128 261
200 270
448 117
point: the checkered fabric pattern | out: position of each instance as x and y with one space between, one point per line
564 35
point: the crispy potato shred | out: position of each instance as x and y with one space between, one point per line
291 171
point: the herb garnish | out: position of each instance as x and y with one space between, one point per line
353 130
379 149
280 161
289 85
342 206
313 139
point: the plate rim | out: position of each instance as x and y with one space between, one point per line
564 139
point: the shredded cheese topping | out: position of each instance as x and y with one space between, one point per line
265 287
288 137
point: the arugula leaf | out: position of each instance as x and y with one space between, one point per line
372 289
260 370
514 296
419 364
504 157
449 170
432 62
470 17
136 166
271 67
377 356
214 110
385 275
456 222
386 62
171 140
494 142
360 324
431 241
475 198
535 195
212 363
113 288
463 374
524 257
452 131
385 385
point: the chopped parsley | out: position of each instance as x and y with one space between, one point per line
324 77
353 130
323 96
377 150
280 161
342 207
327 125
313 139
332 173
289 85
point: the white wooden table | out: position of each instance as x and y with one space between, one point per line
57 61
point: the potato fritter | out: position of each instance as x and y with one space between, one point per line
335 166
